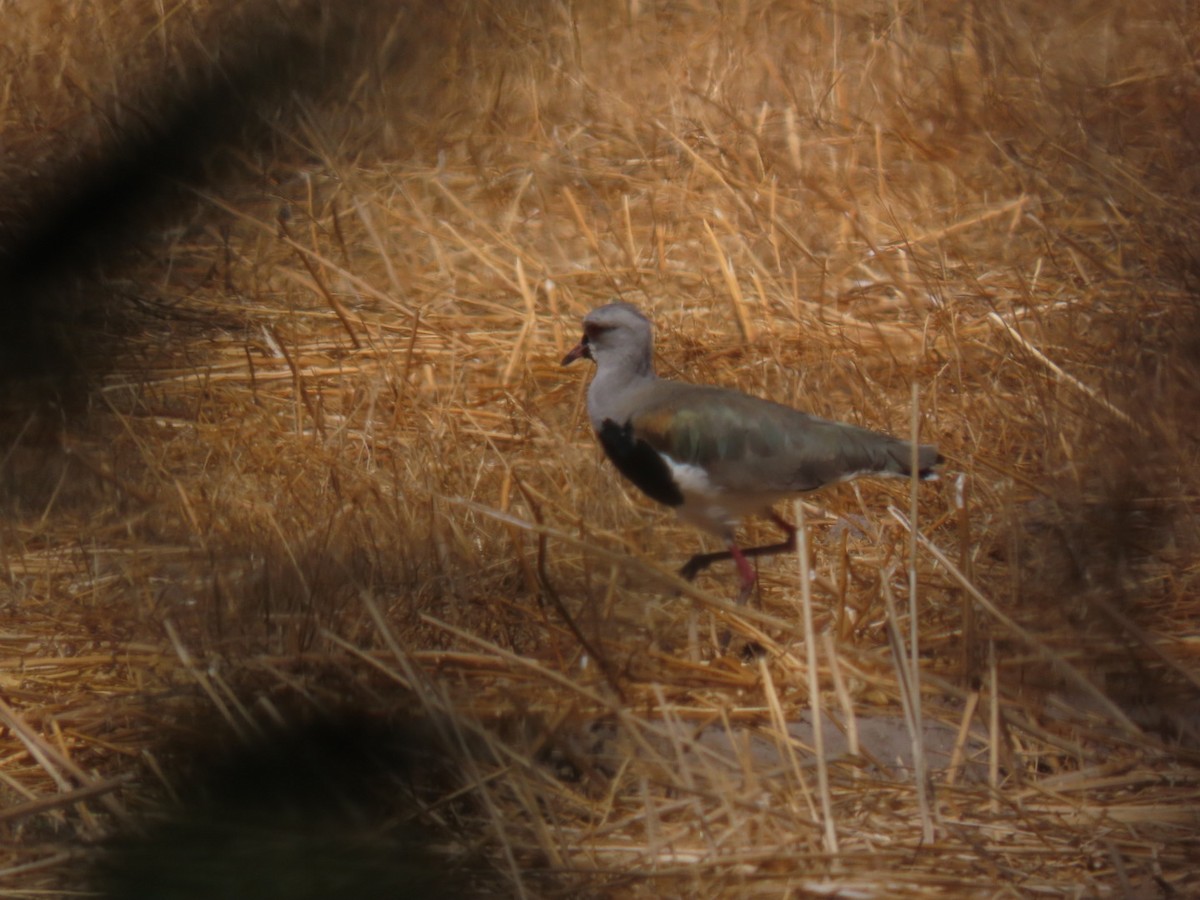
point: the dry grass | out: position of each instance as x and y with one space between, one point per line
324 456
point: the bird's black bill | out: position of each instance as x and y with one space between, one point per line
579 351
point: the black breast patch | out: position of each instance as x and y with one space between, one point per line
639 462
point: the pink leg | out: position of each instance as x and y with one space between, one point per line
702 561
745 570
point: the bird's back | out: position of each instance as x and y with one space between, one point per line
749 444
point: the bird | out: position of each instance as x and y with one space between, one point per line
717 455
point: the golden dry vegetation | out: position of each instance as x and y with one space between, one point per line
295 441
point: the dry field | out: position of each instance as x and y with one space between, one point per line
315 583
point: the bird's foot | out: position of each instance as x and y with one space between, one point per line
744 593
752 651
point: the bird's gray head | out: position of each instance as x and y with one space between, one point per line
616 334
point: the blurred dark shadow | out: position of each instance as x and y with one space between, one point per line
82 222
338 806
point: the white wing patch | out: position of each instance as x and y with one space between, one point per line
690 479
707 506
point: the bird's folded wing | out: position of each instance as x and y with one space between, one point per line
748 444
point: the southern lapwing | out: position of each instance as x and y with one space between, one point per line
716 455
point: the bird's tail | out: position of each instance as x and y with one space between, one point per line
899 460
